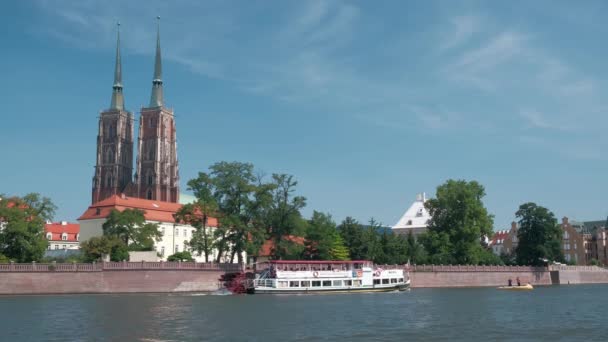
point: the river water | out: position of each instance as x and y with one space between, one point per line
553 313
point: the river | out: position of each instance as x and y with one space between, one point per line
552 313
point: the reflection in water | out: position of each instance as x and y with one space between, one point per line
560 313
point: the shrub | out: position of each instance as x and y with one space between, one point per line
180 256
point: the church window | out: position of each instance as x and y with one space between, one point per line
149 179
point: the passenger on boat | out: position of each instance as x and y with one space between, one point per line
510 282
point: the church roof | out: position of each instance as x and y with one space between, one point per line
416 216
153 210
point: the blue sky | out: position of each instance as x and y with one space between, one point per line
366 103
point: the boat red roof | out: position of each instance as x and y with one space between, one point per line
153 210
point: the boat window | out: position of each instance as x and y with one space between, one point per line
305 283
357 282
348 283
282 284
316 283
401 280
384 281
376 281
394 281
337 282
326 282
294 284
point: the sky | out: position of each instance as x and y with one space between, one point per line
366 103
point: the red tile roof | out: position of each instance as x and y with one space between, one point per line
268 246
58 228
153 210
499 237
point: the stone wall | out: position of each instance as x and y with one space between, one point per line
582 275
124 281
476 278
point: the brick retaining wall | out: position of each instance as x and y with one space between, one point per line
130 281
476 279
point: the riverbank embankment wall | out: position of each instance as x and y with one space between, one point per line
112 278
476 276
480 276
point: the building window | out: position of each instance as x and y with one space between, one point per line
97 211
409 222
185 245
162 230
176 248
185 233
162 251
56 246
149 179
566 236
64 237
149 194
65 247
49 236
176 232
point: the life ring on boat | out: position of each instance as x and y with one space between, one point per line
377 273
315 274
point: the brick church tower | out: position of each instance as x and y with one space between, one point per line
157 175
114 166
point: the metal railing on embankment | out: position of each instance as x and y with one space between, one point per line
464 268
120 266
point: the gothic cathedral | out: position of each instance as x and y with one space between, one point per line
157 173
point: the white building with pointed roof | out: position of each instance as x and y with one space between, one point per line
415 219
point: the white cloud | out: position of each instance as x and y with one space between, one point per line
463 28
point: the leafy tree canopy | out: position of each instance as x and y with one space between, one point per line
539 236
459 222
131 228
22 237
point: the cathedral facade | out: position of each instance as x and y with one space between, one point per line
157 173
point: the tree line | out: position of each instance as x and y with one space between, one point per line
251 208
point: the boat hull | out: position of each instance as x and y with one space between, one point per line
270 290
526 287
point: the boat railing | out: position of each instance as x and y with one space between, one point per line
264 282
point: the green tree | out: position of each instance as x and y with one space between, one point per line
338 249
232 187
539 236
131 227
283 217
96 247
180 256
415 251
372 244
352 233
459 221
197 215
320 237
22 237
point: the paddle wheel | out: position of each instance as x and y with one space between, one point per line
237 283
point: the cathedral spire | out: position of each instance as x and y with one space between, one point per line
118 101
156 100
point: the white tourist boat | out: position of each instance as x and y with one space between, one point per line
298 276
